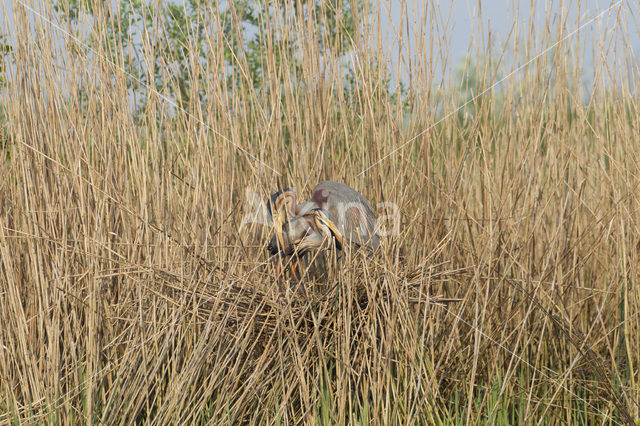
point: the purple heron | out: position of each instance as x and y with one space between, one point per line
335 213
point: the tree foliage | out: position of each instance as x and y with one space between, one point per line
165 46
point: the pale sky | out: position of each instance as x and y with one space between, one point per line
500 17
460 20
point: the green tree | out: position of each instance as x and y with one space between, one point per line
179 34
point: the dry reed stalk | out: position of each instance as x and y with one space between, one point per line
129 292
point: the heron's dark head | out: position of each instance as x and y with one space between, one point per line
282 205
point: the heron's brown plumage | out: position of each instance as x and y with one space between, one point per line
334 212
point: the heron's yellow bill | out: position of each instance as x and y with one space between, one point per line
333 228
278 221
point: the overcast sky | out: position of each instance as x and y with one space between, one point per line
499 17
461 19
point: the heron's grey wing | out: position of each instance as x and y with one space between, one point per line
359 227
352 213
307 206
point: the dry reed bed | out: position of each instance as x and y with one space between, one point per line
130 290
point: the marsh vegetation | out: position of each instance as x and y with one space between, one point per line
131 290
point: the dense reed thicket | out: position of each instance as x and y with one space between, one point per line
131 289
